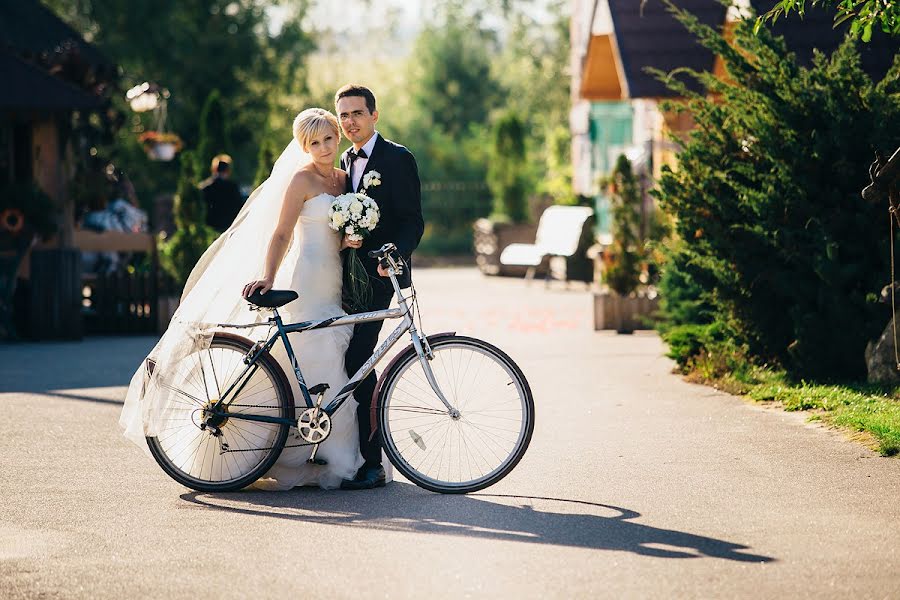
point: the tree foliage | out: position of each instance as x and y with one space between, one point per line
189 48
268 154
215 135
179 253
778 252
506 172
864 15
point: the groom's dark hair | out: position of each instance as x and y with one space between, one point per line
352 89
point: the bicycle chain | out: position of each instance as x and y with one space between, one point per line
269 447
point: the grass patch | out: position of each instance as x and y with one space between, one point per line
865 408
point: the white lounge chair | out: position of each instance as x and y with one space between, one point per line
559 232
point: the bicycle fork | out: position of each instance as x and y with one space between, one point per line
426 355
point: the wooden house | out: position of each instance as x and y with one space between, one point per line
48 72
615 101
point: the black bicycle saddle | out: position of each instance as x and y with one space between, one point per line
272 298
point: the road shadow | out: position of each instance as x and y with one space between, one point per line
526 519
95 362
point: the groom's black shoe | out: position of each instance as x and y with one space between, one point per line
366 479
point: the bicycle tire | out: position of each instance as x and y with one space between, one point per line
238 477
398 448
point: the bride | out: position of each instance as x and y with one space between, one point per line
282 233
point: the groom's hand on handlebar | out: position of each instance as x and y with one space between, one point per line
263 285
382 271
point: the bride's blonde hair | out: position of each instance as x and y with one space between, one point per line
313 122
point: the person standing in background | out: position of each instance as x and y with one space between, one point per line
221 195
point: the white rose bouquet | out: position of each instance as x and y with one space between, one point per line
355 215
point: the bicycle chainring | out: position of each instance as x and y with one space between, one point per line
313 425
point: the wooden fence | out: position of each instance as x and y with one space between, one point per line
127 300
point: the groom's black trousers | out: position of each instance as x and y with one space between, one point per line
362 344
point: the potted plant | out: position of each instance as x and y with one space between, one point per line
160 145
624 301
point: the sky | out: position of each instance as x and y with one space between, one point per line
354 17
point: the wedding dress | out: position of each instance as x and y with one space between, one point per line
212 296
320 354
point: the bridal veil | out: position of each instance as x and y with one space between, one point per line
212 295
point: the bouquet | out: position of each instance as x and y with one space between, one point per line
355 215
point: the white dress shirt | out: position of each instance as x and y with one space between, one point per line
359 165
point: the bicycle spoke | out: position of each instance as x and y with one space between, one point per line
231 450
465 451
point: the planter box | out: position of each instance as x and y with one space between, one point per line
623 313
491 238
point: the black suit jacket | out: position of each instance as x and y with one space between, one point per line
399 199
223 202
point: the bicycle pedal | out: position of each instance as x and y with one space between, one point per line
317 461
318 389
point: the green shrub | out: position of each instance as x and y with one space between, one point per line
179 253
766 202
506 174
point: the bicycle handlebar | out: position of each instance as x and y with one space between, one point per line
383 251
387 258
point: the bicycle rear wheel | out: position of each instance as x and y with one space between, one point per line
245 450
456 455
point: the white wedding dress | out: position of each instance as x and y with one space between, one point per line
212 295
320 354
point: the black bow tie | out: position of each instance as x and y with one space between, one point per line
353 155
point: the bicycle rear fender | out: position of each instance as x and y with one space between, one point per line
373 407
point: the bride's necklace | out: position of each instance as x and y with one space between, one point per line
331 182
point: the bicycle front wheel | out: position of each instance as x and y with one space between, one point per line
245 449
456 454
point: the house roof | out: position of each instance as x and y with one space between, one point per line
816 31
30 87
647 35
29 28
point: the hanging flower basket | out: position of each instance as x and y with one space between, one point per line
160 146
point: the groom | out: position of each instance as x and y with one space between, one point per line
399 201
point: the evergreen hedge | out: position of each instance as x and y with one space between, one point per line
778 255
179 253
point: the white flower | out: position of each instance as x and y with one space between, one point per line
338 220
349 229
356 207
372 178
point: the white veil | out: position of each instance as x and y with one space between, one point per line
212 295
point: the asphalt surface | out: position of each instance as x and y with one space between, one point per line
636 484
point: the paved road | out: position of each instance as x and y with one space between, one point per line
636 484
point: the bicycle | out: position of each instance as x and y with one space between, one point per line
456 413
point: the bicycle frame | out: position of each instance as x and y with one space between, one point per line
404 311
